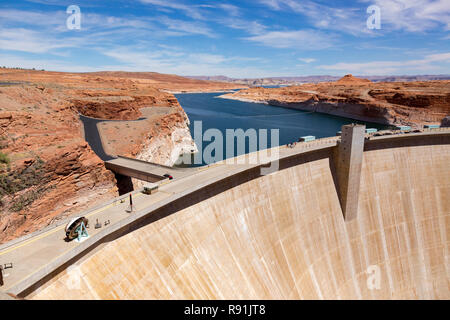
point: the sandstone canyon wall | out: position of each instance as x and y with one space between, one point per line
47 170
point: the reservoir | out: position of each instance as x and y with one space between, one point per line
222 114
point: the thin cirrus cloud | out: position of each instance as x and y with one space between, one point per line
307 60
406 15
55 21
195 11
183 63
347 20
251 27
32 41
46 32
188 10
33 17
300 39
187 27
427 63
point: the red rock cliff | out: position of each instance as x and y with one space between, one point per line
47 170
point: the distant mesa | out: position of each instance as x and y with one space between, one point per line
350 79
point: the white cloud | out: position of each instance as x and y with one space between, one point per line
230 9
301 39
33 18
350 20
430 63
184 63
55 21
186 27
252 27
189 10
408 15
46 32
206 58
307 60
273 4
32 41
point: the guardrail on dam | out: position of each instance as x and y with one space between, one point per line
291 219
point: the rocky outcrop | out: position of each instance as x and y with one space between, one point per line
171 82
167 141
411 103
47 170
350 79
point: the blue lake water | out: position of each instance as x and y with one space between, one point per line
225 114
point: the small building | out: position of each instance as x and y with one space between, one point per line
403 128
150 188
307 138
431 126
371 130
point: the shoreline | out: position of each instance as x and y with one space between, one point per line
301 107
226 96
203 91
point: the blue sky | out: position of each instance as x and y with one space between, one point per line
246 38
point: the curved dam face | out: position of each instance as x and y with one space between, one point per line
283 236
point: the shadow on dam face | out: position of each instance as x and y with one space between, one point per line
283 236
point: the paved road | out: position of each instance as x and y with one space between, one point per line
92 136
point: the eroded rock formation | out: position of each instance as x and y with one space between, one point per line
47 170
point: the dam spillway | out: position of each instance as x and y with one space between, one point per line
283 236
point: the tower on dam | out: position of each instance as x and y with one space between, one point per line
348 165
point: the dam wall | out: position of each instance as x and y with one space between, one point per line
283 236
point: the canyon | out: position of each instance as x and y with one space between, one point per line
47 169
392 103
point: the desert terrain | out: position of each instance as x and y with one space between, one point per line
394 103
47 169
173 83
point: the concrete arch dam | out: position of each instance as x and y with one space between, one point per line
283 235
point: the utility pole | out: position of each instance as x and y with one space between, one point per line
130 208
